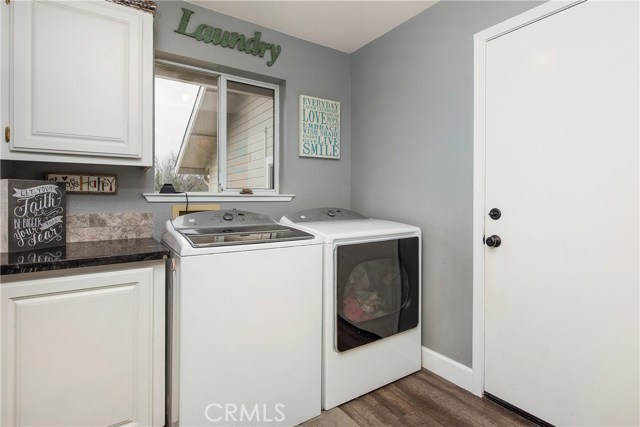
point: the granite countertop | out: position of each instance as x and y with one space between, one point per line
82 254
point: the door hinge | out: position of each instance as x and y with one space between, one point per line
7 134
173 264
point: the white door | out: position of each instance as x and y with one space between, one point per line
561 291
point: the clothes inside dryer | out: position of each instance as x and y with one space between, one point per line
376 283
374 290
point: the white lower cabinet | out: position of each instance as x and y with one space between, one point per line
84 349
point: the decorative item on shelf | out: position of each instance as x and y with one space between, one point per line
32 214
168 189
86 183
319 128
143 5
246 191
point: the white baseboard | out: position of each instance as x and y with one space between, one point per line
449 369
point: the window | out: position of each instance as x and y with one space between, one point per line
214 133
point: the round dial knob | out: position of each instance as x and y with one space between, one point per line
227 216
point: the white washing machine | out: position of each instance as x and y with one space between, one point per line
371 310
245 314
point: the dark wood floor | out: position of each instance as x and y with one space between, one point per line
421 399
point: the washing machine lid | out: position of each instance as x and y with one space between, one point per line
346 225
232 227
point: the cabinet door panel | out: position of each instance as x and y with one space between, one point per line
62 63
79 71
76 350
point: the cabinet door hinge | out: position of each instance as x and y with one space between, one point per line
7 134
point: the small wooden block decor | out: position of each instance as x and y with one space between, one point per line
86 184
319 128
32 214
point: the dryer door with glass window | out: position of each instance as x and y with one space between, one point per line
377 290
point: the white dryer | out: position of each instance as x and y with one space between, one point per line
244 331
371 300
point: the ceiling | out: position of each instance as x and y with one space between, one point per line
338 24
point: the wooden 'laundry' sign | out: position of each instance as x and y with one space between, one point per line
232 40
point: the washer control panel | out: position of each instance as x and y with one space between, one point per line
324 214
232 227
224 218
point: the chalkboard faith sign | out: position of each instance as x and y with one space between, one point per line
319 128
32 215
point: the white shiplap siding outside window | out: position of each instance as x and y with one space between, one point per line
249 141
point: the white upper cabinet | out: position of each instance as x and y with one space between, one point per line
81 82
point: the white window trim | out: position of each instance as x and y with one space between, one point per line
201 197
222 133
233 195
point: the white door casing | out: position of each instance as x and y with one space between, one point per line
556 149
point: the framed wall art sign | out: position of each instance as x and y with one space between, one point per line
33 215
319 128
86 183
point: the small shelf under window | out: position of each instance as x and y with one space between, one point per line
201 197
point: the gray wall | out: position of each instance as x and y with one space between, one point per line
412 150
301 68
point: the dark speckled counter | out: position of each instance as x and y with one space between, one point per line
82 254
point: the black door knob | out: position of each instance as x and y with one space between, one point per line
493 241
495 213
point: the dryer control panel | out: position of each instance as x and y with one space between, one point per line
324 214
